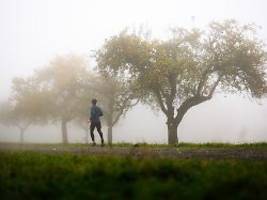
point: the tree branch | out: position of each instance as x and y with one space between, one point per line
23 127
122 109
170 98
193 101
202 82
117 117
214 86
135 103
160 101
172 81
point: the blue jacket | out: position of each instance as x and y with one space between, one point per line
95 113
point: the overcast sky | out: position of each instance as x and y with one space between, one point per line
35 31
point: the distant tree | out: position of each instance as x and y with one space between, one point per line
66 79
11 116
116 97
25 106
184 71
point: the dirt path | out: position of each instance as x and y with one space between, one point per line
154 152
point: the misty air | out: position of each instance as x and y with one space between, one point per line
133 99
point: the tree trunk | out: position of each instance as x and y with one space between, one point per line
22 135
172 134
110 135
64 132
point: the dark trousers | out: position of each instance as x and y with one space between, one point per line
96 125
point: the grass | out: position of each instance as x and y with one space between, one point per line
32 175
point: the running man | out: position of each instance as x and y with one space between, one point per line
95 114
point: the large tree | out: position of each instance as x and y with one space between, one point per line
66 79
185 71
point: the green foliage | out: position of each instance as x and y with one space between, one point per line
236 53
190 63
27 175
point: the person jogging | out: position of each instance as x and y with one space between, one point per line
95 114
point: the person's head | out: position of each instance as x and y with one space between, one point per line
94 101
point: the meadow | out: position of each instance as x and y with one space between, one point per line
29 174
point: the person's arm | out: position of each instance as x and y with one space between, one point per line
100 112
90 114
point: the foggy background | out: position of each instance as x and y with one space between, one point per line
34 31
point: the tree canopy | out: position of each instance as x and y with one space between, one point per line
185 70
66 79
25 106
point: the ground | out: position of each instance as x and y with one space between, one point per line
189 171
183 150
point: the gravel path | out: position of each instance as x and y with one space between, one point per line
154 152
